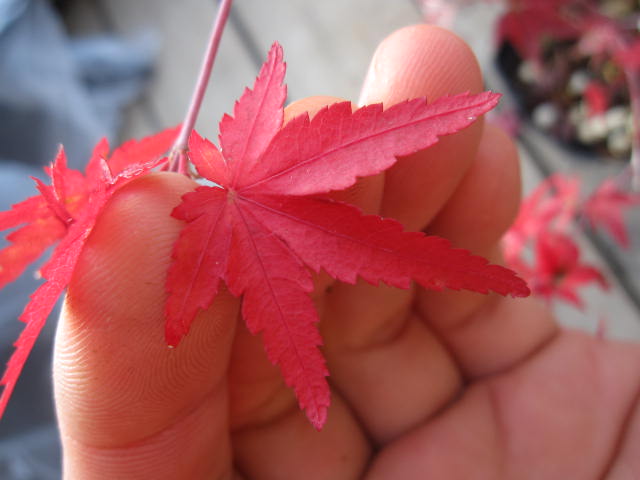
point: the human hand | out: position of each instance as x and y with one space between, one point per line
425 384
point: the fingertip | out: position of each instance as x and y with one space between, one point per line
420 60
424 61
309 105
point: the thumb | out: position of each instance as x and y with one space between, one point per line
129 406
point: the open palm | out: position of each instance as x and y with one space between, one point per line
425 384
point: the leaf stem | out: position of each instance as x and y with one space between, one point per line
178 157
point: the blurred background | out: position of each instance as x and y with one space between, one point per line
74 71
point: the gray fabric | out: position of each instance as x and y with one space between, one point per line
52 90
42 100
10 10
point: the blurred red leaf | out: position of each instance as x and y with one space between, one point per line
553 204
529 23
596 97
606 207
558 271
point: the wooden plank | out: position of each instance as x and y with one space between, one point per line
327 44
184 29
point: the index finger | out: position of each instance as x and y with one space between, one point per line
465 188
424 61
383 358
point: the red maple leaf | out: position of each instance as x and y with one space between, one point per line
605 207
558 271
597 98
64 212
601 38
268 221
530 22
628 56
552 204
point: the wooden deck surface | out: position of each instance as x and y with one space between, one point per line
327 46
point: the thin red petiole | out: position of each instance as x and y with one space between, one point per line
178 161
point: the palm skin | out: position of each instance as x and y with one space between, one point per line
425 384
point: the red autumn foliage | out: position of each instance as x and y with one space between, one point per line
606 208
269 222
64 212
596 97
546 222
553 204
529 22
558 271
266 225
